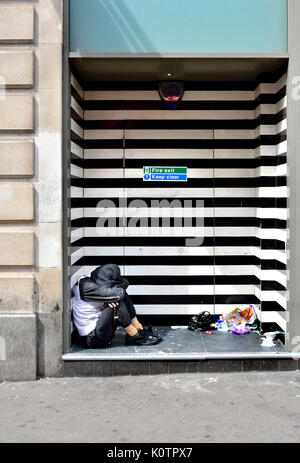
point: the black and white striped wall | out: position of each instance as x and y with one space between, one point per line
231 136
76 252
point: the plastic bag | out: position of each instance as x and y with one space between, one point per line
237 320
247 315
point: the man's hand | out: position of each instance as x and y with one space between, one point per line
113 304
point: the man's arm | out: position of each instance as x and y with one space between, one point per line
90 291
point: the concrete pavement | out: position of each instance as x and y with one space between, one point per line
181 408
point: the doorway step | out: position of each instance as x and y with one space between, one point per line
181 351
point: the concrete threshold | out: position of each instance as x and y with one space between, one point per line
181 356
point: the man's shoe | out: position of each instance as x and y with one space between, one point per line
140 339
150 332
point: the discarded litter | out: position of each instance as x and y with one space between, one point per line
268 338
267 342
222 326
241 328
247 315
237 320
179 327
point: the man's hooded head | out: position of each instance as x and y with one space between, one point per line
108 275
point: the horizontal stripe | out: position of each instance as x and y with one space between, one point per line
189 95
185 309
201 233
271 306
76 213
188 299
239 202
193 290
175 309
76 171
262 101
193 91
272 286
220 245
76 150
201 182
76 85
173 260
227 261
77 139
170 192
76 106
127 114
178 144
188 232
128 135
184 211
274 318
191 280
204 192
159 242
190 163
180 221
267 83
76 192
194 122
165 211
182 251
193 270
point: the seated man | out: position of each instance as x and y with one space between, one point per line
100 303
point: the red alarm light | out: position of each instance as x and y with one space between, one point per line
171 92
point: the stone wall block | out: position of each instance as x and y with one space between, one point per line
16 202
17 23
17 293
16 248
16 158
16 113
18 350
16 68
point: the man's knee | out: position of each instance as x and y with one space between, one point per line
99 340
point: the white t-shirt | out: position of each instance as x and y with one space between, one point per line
85 313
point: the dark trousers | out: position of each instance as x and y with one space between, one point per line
107 324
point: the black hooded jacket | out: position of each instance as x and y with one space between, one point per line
104 285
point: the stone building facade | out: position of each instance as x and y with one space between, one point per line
30 188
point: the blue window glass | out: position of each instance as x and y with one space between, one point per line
178 26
